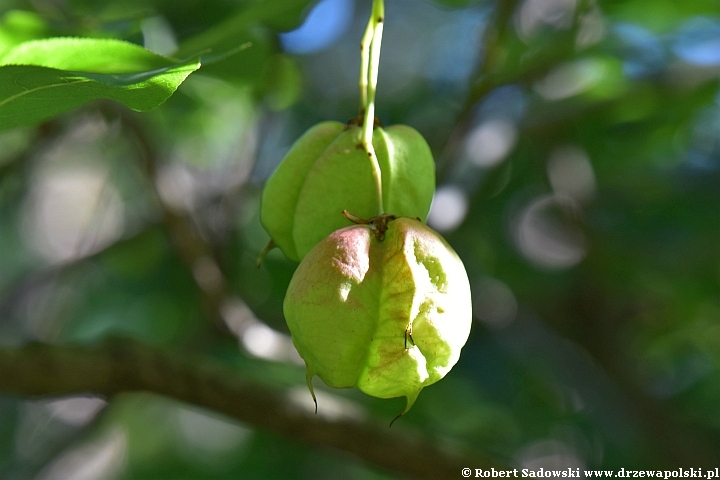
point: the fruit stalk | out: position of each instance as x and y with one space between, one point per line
369 65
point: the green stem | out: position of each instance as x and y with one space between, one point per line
365 64
369 65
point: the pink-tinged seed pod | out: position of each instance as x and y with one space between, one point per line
388 316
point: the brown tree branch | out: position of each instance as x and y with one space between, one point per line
121 365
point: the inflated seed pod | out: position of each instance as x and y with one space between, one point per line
327 171
388 316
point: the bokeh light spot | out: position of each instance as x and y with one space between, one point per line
490 142
571 173
547 234
72 213
536 14
448 209
570 79
494 303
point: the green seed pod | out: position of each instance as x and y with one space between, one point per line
326 171
388 316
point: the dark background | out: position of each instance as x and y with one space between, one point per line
578 166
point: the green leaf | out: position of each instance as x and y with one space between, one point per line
43 78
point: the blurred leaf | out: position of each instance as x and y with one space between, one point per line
137 257
43 78
8 412
454 3
282 81
278 14
664 14
281 15
242 27
19 26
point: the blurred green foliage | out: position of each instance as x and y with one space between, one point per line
578 154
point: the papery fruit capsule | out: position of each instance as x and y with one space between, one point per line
388 316
326 171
